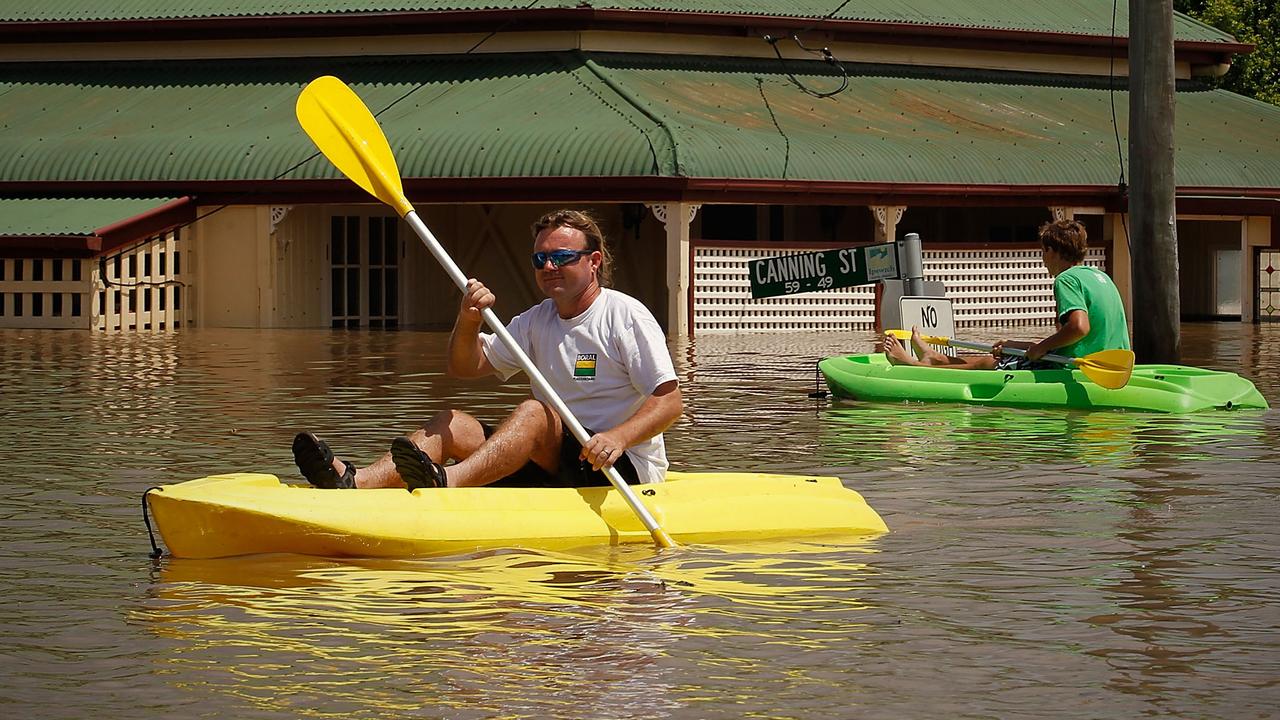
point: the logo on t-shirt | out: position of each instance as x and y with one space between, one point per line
585 367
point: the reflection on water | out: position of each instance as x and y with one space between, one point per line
504 633
1040 563
945 434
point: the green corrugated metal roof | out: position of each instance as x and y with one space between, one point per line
474 116
31 217
576 114
1088 17
738 118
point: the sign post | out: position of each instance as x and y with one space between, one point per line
822 270
913 260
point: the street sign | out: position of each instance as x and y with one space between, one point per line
823 270
932 315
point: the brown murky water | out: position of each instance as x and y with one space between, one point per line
1041 563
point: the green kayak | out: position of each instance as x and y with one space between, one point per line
1152 388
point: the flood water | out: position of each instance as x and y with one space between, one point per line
1040 563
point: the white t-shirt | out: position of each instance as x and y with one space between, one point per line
603 363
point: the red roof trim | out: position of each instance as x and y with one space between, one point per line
584 18
1257 201
1190 202
816 192
156 220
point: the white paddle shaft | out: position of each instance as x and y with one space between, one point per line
535 376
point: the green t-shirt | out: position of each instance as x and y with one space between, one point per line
1081 287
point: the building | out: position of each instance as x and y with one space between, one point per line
152 174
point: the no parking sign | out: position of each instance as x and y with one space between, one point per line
932 315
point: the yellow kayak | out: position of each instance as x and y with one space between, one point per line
249 513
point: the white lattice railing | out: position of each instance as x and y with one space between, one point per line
722 298
988 287
143 288
44 293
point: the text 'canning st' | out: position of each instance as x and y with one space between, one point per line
795 267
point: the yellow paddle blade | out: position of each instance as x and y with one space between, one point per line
1107 368
931 339
346 132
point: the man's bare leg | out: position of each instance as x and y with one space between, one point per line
531 432
925 351
925 356
898 355
450 435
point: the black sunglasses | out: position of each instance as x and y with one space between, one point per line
558 258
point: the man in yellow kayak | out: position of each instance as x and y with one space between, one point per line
1090 313
601 351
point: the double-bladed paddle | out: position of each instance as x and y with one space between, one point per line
1106 368
346 132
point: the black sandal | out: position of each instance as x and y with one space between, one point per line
415 467
315 460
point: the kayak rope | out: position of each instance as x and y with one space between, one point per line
156 552
818 392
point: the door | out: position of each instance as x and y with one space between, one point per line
364 281
1226 282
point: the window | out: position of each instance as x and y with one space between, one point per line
364 271
383 272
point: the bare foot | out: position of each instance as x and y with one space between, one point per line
895 353
925 351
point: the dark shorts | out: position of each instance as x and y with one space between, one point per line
1017 362
574 471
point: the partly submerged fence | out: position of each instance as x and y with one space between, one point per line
141 289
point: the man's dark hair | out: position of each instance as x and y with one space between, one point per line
1067 238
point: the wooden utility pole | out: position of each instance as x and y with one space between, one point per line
1153 227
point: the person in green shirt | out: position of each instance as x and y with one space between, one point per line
1090 313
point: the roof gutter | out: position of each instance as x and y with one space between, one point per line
156 220
584 18
645 188
1226 204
